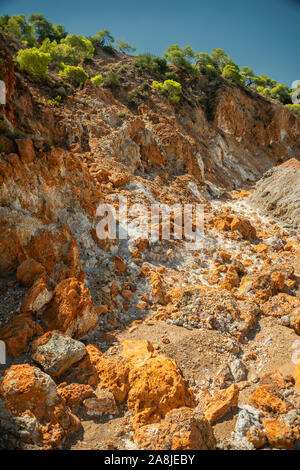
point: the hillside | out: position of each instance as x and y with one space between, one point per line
136 343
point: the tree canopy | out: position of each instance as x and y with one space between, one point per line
63 49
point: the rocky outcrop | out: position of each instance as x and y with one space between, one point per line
277 194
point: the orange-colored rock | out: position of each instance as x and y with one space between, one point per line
29 271
284 304
31 395
261 248
290 284
74 394
120 266
103 403
181 429
17 334
97 369
155 383
225 256
273 381
141 305
244 227
259 286
101 310
11 249
141 244
26 150
231 279
267 401
156 387
119 179
223 223
136 352
280 434
136 254
257 436
37 296
296 375
278 280
292 246
158 288
295 320
126 294
57 250
219 404
102 175
71 310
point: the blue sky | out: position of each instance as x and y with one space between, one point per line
262 34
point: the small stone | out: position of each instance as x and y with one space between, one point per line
238 370
103 404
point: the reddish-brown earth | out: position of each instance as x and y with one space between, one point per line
180 349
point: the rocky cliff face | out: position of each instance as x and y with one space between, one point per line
57 165
277 194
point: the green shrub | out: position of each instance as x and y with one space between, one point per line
263 91
102 39
280 92
295 108
56 101
232 74
45 29
60 53
182 57
123 46
75 75
98 79
18 27
83 48
109 50
169 88
137 97
148 63
34 62
171 75
221 59
111 80
145 86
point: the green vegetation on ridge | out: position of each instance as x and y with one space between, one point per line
49 45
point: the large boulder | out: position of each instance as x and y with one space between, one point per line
29 271
32 407
155 383
71 310
18 333
181 429
56 353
